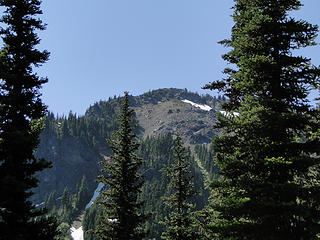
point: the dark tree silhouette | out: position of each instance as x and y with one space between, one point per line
21 111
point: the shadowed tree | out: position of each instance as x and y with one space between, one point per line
267 154
83 196
21 111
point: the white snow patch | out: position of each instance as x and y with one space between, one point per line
201 106
40 204
95 195
76 234
227 114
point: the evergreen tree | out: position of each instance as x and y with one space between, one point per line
121 219
65 198
66 206
83 195
265 154
90 221
51 201
20 112
180 223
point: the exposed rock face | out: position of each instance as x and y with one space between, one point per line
70 161
174 116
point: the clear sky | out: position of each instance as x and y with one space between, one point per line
101 48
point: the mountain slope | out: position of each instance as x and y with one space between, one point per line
194 125
75 145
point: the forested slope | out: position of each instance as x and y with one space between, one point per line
75 144
158 154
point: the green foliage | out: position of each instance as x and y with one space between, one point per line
66 211
91 129
74 145
265 154
83 195
180 224
158 153
160 95
122 218
68 140
21 111
50 201
206 156
91 220
88 130
64 229
65 198
67 207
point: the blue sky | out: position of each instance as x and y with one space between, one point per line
101 48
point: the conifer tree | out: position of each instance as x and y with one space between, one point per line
20 112
122 219
266 154
82 196
51 201
65 198
66 205
180 225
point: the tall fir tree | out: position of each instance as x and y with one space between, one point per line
66 206
82 196
21 111
122 219
267 152
180 224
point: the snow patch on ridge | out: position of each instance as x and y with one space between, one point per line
77 234
201 106
227 114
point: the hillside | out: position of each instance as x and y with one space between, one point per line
76 144
165 111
